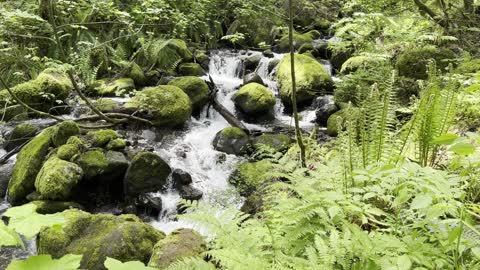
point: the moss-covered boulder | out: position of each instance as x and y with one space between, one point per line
298 40
472 66
165 105
147 172
181 49
14 113
278 142
311 77
190 69
249 176
93 163
413 62
113 88
106 105
336 122
180 244
52 207
356 62
68 151
101 138
254 98
19 135
63 132
96 237
57 178
232 140
196 88
116 144
251 63
29 162
43 92
137 75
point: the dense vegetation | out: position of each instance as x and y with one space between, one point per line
395 186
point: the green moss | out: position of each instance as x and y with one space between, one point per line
57 178
63 132
42 92
337 120
413 63
13 113
93 163
52 207
190 69
181 48
68 151
100 138
19 135
471 66
251 175
96 237
196 88
108 88
254 98
299 40
307 47
137 74
312 79
356 62
76 140
117 144
278 142
106 105
201 57
180 244
233 132
28 164
168 105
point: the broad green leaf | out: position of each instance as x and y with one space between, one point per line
404 262
463 149
45 262
9 237
403 197
421 201
112 264
27 222
446 139
454 234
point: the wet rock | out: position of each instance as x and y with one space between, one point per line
190 193
101 138
221 158
146 173
5 174
112 88
251 63
312 79
191 69
148 204
232 141
19 135
324 108
195 88
272 65
254 98
268 53
251 175
96 237
253 78
93 163
180 244
203 59
278 142
52 207
181 178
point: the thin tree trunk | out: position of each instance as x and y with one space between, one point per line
294 86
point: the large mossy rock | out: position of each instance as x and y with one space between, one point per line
250 176
277 142
190 69
180 244
180 47
148 172
358 62
96 237
101 138
165 105
28 164
195 88
43 92
63 132
413 63
19 135
298 40
311 77
93 163
57 178
113 88
254 98
232 140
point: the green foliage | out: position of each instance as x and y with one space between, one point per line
9 237
112 264
45 262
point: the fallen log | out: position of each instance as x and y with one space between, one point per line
231 119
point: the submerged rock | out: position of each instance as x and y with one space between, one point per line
180 244
57 178
254 98
96 237
165 105
190 193
232 140
312 79
195 88
147 173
